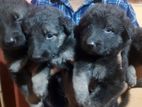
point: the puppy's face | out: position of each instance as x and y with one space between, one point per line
12 38
46 40
102 31
47 32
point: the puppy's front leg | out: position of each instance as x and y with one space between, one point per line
105 93
81 78
40 82
130 72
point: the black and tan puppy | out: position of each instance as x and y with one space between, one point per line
99 74
50 41
51 35
12 38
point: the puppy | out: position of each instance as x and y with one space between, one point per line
50 41
99 75
12 38
136 50
51 36
135 53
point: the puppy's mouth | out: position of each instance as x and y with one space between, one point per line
15 53
40 60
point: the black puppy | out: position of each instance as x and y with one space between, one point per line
103 35
50 42
12 38
50 36
135 53
135 57
136 49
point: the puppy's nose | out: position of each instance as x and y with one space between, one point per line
14 39
42 57
45 54
10 42
91 44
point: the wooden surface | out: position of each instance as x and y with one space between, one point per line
135 98
10 95
7 87
138 11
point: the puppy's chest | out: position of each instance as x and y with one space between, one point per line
100 69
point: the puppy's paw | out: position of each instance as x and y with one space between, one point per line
131 76
68 55
65 56
57 61
40 82
15 66
91 103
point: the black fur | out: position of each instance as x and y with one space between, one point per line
136 49
50 41
50 36
135 53
102 35
12 38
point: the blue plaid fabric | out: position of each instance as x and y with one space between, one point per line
75 16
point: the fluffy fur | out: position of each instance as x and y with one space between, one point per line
135 53
12 38
50 41
136 49
50 36
103 35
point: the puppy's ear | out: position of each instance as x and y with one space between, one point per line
67 24
27 25
128 31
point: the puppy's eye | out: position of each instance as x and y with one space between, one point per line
16 17
109 30
49 35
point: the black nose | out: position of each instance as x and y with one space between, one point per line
91 44
14 39
10 41
45 54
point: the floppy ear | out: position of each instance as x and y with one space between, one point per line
128 31
27 24
67 24
77 31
